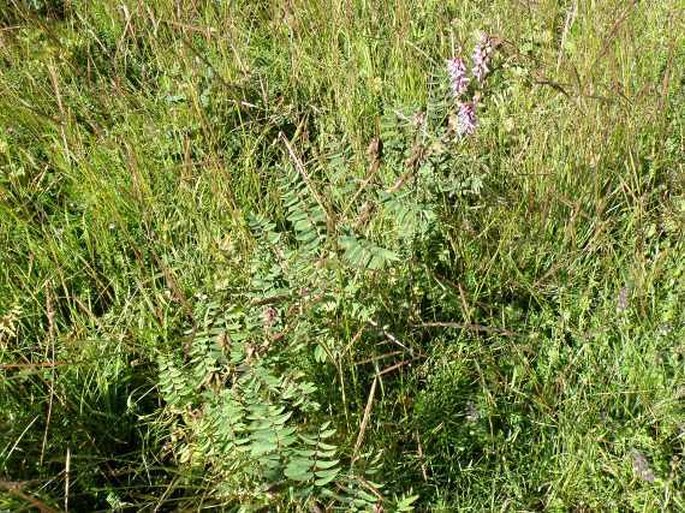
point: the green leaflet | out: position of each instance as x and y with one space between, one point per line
364 254
325 476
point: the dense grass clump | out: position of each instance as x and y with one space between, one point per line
325 256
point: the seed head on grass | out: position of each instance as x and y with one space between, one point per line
269 317
641 467
622 303
459 81
472 413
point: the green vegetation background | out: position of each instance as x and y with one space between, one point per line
245 264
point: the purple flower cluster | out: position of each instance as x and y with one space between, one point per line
456 68
481 57
459 83
466 119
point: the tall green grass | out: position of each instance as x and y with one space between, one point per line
523 354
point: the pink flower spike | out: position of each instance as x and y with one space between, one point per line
459 81
466 119
481 57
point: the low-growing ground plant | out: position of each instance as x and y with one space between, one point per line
341 256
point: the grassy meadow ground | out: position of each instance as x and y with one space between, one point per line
247 265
